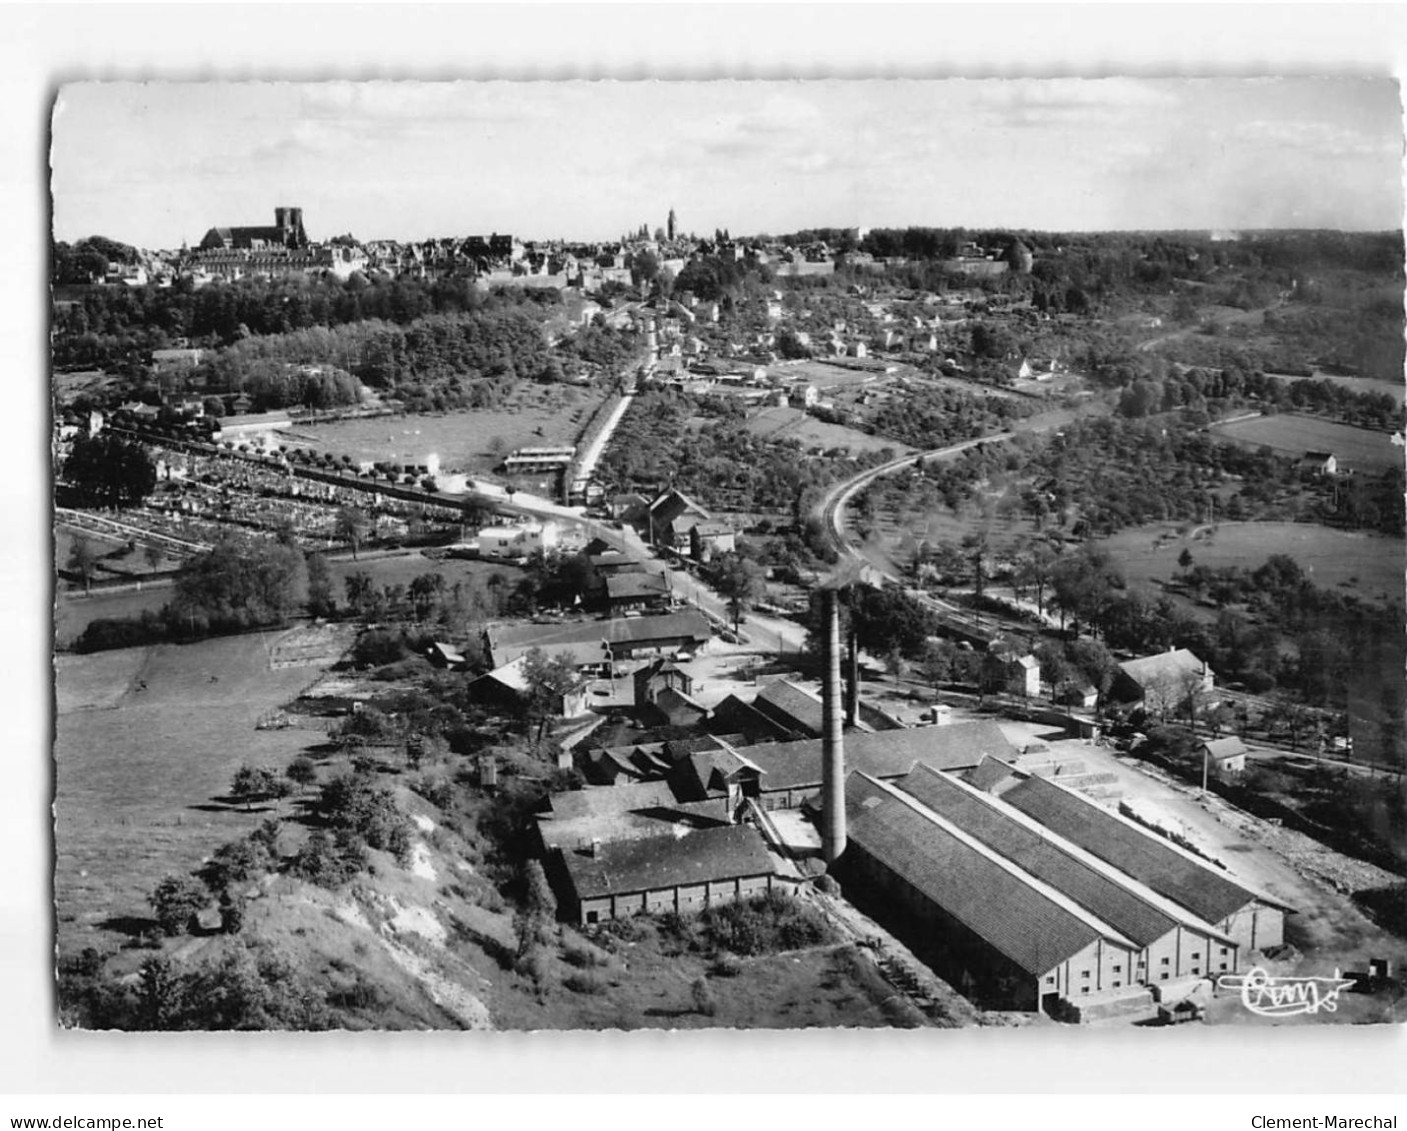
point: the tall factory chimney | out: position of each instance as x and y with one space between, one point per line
833 705
833 737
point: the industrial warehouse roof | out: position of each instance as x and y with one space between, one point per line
509 641
628 586
1016 838
599 800
733 852
883 754
648 822
990 773
1169 871
793 707
1032 927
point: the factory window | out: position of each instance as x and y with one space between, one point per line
1223 950
1118 968
1196 954
1117 985
1163 977
1084 989
1196 969
593 916
1223 965
1165 962
1050 979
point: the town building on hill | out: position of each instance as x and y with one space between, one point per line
287 233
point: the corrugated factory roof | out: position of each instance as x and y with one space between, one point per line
671 861
1013 916
1170 872
982 817
883 754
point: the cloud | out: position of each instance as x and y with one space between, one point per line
1066 103
784 122
1320 139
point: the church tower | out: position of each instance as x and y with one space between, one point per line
669 230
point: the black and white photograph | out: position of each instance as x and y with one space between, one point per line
738 554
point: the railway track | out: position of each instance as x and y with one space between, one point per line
980 630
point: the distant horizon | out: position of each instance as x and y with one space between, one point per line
990 228
162 163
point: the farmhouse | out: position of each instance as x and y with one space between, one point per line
1319 464
669 519
668 873
1162 683
508 686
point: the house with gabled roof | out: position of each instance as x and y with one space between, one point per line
669 518
1162 683
1226 757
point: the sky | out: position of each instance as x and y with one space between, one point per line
153 164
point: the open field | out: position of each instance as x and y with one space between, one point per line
69 386
1367 565
827 376
401 569
115 560
470 440
73 613
777 422
146 739
1357 449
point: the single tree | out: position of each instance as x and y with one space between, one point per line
702 996
83 560
352 526
321 602
302 771
176 900
550 680
738 581
251 784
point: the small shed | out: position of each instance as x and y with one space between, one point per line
1225 756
